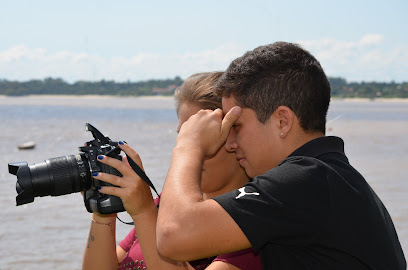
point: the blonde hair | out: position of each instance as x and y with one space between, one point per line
198 90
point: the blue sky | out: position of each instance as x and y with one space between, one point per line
140 40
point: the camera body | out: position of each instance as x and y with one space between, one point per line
69 174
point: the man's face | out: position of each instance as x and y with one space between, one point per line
257 146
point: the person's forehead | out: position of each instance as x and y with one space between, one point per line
247 114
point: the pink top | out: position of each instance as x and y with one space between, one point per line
243 259
134 256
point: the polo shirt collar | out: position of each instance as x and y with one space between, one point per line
320 146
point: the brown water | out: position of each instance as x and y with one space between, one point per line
51 232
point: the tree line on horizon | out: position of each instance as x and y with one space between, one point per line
56 86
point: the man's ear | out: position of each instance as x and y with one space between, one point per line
286 120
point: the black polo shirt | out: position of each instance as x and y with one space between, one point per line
315 211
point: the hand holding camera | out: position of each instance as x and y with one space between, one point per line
81 172
134 192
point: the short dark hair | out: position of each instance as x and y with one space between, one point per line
278 74
198 90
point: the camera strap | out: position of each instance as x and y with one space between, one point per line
142 174
139 172
136 169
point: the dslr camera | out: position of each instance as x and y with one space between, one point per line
69 174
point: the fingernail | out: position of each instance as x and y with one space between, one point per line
237 110
100 157
99 188
121 143
95 174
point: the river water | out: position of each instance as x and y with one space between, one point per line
52 232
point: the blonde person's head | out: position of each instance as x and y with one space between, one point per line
222 172
198 90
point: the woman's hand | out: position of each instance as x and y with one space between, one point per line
134 192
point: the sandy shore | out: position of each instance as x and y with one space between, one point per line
374 100
133 102
93 101
87 96
171 97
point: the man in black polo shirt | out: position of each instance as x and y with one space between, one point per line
306 207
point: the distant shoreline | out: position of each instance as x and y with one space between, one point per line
172 97
371 99
89 96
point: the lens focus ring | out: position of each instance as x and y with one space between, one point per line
62 175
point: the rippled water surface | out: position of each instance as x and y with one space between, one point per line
51 232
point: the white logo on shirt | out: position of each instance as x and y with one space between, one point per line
243 193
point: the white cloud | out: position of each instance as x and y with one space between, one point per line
370 39
23 63
365 58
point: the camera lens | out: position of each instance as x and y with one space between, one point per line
68 174
55 176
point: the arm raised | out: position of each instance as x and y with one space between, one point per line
189 227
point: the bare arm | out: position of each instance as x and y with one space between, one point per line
138 202
100 250
145 224
121 253
188 227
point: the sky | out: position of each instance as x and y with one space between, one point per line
132 40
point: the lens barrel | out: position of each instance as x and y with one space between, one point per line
53 177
